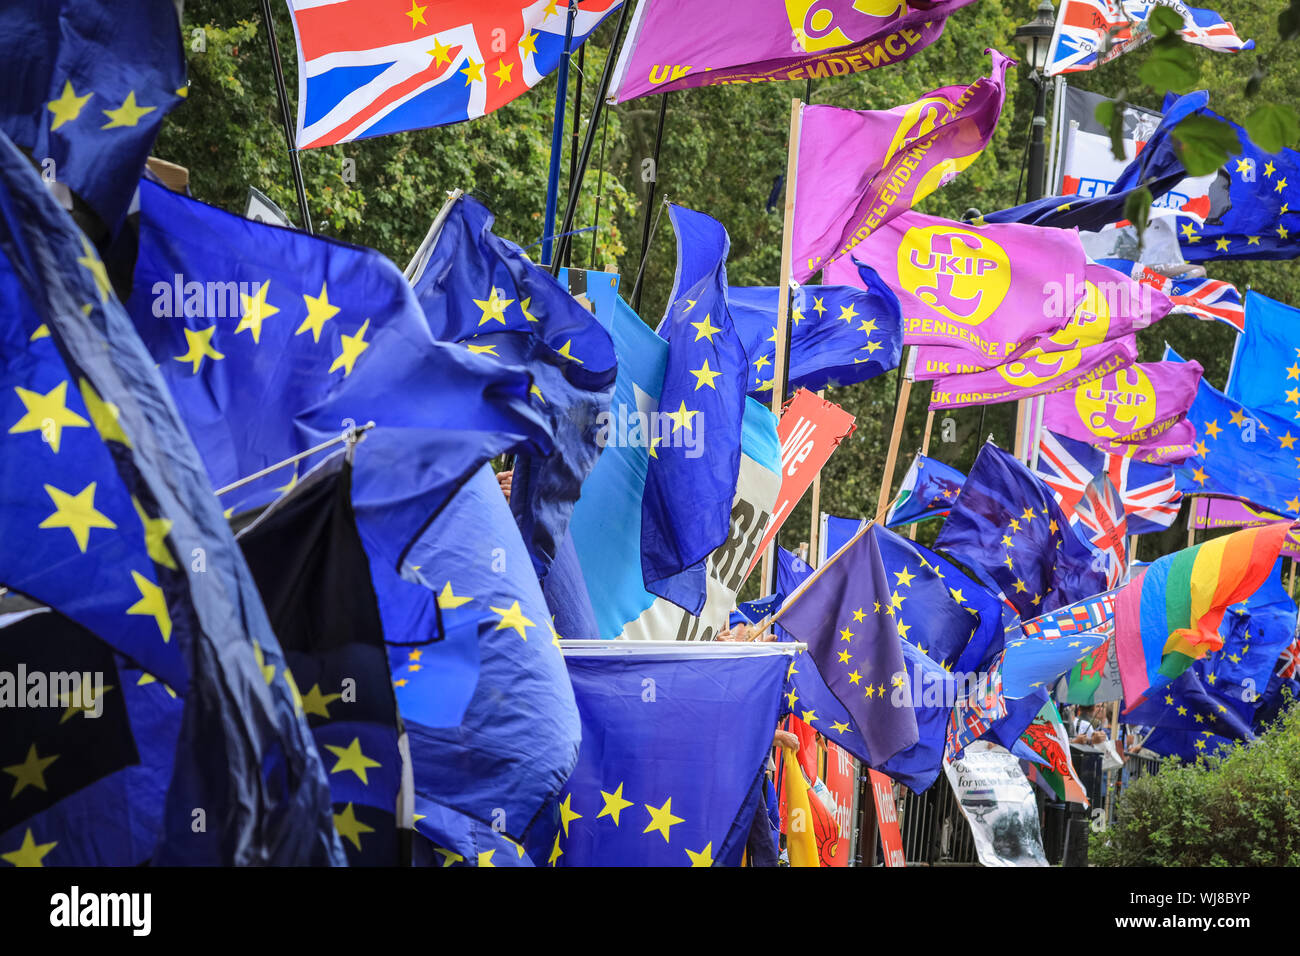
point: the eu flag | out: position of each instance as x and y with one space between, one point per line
848 615
929 488
1253 210
1254 634
105 510
839 335
1189 715
1007 528
1157 167
674 745
690 486
89 85
1242 452
1265 371
480 290
272 340
497 740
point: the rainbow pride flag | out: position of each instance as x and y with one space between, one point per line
1168 616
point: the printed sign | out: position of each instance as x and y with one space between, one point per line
810 429
891 837
998 802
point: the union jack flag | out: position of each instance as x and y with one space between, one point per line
1151 499
1084 28
1210 299
1288 665
371 67
1101 514
1096 615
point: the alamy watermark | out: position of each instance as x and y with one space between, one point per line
68 690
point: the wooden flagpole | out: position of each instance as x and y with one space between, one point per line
900 415
779 371
815 531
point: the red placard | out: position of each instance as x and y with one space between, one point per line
841 779
810 429
891 837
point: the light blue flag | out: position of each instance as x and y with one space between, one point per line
1241 452
1265 371
611 499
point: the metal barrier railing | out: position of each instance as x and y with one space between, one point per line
934 830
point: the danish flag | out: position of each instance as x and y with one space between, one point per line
371 67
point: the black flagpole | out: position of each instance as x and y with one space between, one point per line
650 203
606 74
284 117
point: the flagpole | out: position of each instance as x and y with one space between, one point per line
602 91
781 349
287 123
815 532
557 135
905 370
650 203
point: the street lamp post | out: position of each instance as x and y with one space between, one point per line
1036 36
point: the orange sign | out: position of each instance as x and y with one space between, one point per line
810 429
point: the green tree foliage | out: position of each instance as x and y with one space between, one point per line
723 152
1239 809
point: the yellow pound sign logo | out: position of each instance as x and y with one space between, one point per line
957 272
817 27
1090 325
1118 404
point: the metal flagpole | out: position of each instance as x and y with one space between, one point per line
649 203
780 368
602 90
557 135
288 123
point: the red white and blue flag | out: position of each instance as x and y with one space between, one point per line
1091 32
1096 615
372 67
1149 492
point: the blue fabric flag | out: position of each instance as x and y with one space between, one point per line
929 488
1157 167
89 86
1006 527
1265 372
1241 453
612 498
1192 717
847 617
674 746
103 805
690 486
1254 633
839 335
1038 662
102 498
1254 207
518 739
929 691
445 838
480 290
273 341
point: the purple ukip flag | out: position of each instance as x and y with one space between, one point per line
1139 411
847 614
987 290
1037 372
680 44
1110 305
858 169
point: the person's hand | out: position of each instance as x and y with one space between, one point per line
504 479
783 738
1097 737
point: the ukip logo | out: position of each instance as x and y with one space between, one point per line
821 24
957 272
1117 405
